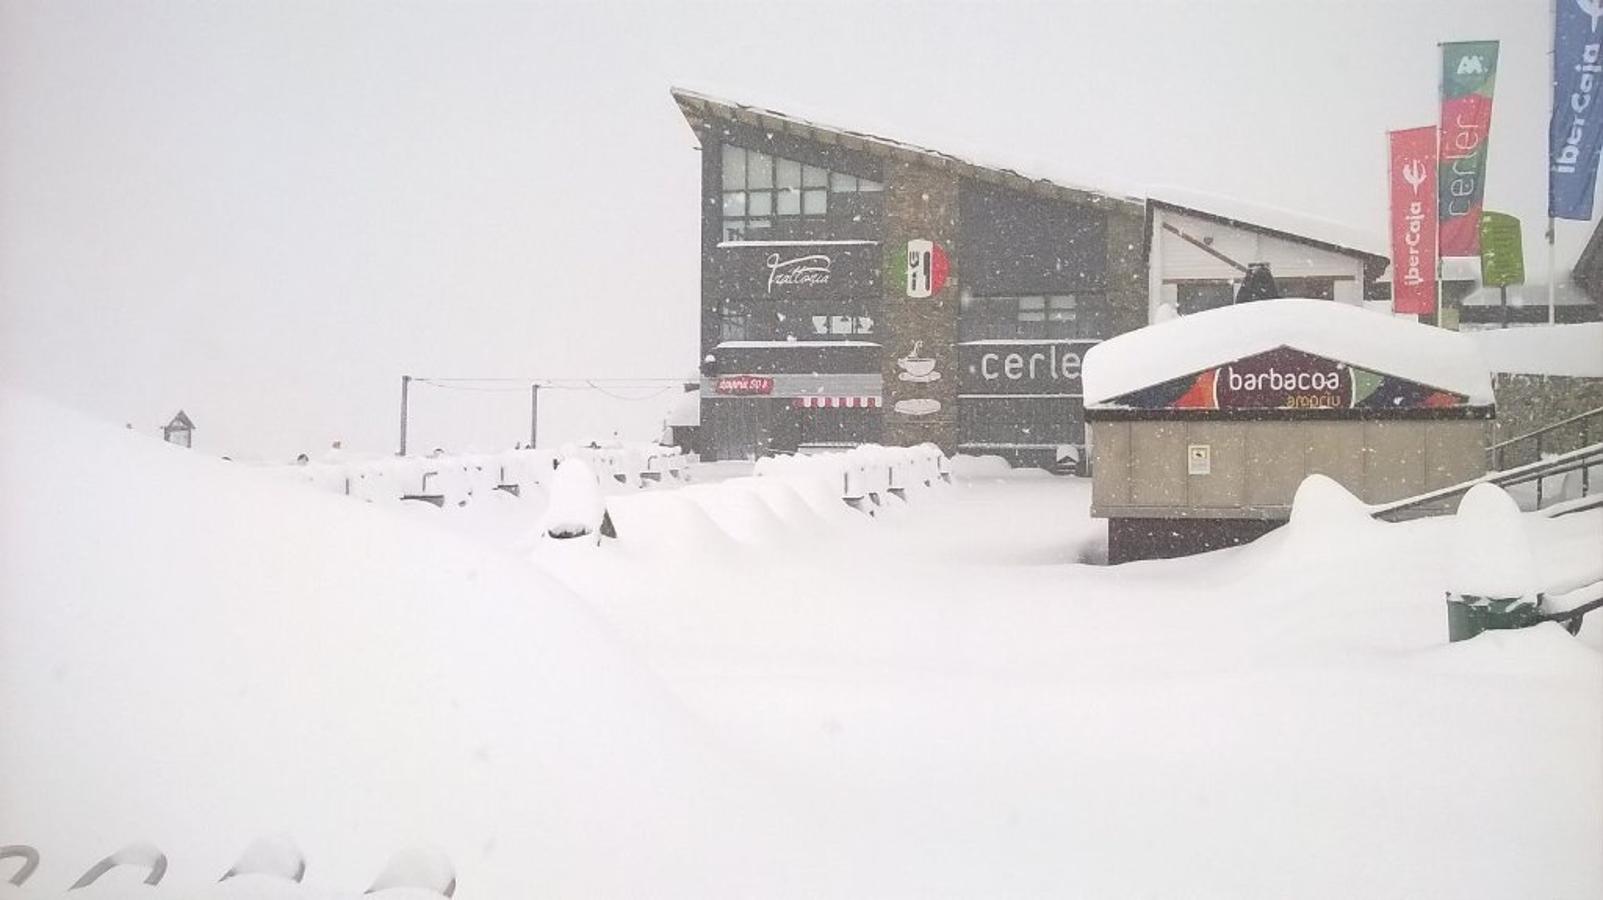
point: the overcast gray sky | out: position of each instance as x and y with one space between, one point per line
266 212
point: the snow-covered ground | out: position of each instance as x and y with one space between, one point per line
749 695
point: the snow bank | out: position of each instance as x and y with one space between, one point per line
1384 344
987 466
1574 350
193 655
576 507
1491 554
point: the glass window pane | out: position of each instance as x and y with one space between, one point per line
760 203
734 229
755 227
788 202
1031 303
815 202
787 173
813 176
1062 302
842 184
759 169
840 324
734 203
866 186
820 324
734 167
865 325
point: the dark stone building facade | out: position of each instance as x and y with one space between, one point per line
856 289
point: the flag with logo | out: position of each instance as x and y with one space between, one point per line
1575 135
1413 220
1469 70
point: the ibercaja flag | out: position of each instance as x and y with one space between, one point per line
1469 70
1413 220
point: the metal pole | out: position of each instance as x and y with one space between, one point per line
1552 273
534 414
1502 299
406 386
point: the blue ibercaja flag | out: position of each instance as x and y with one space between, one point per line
1576 132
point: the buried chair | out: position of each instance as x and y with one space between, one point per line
427 870
29 857
141 855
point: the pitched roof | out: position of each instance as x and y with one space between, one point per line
180 422
699 107
1282 223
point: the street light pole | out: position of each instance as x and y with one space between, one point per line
534 413
406 387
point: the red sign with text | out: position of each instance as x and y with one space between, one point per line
744 385
1413 220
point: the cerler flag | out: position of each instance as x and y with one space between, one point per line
1413 220
1575 135
1469 70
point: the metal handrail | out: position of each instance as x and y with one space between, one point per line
1582 459
1494 452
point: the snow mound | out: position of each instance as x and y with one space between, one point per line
1572 350
666 522
576 506
1386 345
740 512
276 857
985 466
191 651
423 869
1491 553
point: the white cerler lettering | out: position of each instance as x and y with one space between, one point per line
802 270
1272 380
1580 101
1017 366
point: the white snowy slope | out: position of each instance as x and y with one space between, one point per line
194 654
983 718
1189 344
1573 350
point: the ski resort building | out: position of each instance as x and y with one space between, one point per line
1200 249
859 289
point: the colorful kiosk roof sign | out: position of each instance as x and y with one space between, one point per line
1287 379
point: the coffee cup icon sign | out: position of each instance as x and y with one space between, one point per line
915 367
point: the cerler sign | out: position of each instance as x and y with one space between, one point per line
1469 71
1413 220
1044 367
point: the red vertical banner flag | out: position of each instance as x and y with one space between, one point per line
1469 72
1413 220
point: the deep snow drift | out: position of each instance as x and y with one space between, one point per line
748 694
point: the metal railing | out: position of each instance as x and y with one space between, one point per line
1582 460
1496 454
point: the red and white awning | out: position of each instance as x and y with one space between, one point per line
836 402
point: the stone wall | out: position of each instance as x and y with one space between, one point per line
1528 402
921 203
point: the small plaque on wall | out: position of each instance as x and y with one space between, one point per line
1199 459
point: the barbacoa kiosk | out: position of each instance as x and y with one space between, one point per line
1202 427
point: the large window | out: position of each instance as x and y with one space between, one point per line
1197 296
1049 317
759 188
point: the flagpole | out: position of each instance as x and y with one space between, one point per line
1436 201
1552 110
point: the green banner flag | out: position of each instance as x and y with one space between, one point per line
1502 250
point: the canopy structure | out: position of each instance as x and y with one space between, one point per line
1288 355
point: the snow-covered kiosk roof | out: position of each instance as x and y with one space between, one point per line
1309 356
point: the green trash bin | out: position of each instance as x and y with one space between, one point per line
1469 615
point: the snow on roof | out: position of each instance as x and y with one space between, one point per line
693 103
1324 231
1384 344
685 411
1574 350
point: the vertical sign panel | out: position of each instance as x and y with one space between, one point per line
1576 132
1469 71
1413 223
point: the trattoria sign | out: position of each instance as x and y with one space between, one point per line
744 386
768 270
1289 379
1041 367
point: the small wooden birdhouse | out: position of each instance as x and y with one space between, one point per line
179 430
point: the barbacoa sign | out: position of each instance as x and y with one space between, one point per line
1041 367
1289 379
